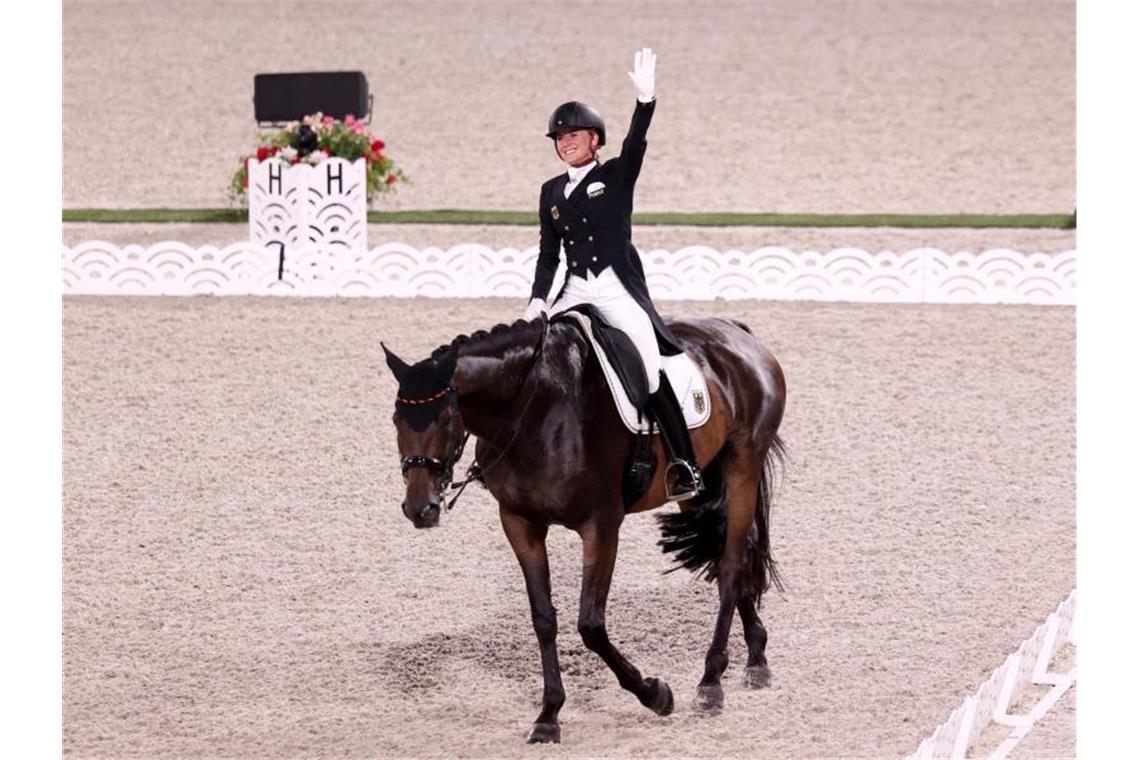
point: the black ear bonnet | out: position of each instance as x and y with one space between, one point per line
425 388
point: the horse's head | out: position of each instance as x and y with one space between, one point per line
429 432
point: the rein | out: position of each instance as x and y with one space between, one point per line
447 464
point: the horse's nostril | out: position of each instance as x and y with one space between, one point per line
429 516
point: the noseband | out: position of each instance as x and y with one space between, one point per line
456 444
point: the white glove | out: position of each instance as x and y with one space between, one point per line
644 74
536 307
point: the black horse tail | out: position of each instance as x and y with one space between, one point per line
696 536
759 540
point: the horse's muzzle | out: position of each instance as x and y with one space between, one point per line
427 517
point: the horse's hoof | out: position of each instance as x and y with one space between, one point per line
757 677
662 700
709 699
544 733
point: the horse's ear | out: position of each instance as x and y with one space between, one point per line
398 366
446 365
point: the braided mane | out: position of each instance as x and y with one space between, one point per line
494 341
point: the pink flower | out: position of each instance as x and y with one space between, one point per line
327 121
358 127
349 119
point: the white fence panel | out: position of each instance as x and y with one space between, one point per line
991 702
323 265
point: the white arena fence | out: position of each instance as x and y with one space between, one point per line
992 701
469 270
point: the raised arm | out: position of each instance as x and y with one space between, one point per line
644 76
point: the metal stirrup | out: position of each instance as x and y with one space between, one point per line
694 478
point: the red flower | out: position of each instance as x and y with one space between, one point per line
273 150
245 181
263 153
377 146
391 179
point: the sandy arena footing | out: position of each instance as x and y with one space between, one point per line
239 579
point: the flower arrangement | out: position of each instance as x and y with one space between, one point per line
317 137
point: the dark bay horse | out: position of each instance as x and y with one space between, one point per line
552 451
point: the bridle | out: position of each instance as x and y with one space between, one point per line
458 440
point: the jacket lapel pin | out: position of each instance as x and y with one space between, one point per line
595 189
554 212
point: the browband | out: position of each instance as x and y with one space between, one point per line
428 400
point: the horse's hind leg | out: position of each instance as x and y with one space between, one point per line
599 551
740 506
763 571
756 672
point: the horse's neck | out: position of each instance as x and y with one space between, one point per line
490 375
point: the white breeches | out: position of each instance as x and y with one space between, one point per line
606 294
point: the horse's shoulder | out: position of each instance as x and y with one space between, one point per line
566 344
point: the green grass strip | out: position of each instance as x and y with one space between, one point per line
156 215
674 219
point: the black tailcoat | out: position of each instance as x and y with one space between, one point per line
594 226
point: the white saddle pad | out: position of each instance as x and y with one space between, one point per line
684 375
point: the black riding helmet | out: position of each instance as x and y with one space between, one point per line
576 115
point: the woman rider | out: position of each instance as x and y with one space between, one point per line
588 210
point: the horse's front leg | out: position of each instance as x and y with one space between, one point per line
528 539
599 552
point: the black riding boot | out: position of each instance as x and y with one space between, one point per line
682 476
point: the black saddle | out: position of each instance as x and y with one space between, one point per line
620 351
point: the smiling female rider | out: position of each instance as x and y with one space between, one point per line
588 210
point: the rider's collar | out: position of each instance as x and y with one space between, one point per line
575 173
